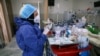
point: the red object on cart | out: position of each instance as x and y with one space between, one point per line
68 50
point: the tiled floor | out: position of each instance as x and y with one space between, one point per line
11 50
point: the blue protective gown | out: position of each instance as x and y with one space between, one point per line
29 38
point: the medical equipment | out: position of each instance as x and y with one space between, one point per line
68 33
58 30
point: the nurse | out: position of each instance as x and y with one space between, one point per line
29 37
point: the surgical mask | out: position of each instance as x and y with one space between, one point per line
37 19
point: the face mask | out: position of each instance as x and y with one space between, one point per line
37 19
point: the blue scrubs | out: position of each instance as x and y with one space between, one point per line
29 38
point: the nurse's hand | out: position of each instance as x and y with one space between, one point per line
46 30
49 26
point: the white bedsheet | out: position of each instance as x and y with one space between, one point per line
60 41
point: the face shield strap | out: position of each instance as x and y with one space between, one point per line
30 20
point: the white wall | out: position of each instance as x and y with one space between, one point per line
83 5
17 4
64 5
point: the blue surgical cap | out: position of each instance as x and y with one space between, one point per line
26 11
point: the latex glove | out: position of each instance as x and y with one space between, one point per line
49 26
46 30
48 23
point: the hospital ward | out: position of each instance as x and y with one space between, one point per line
49 27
